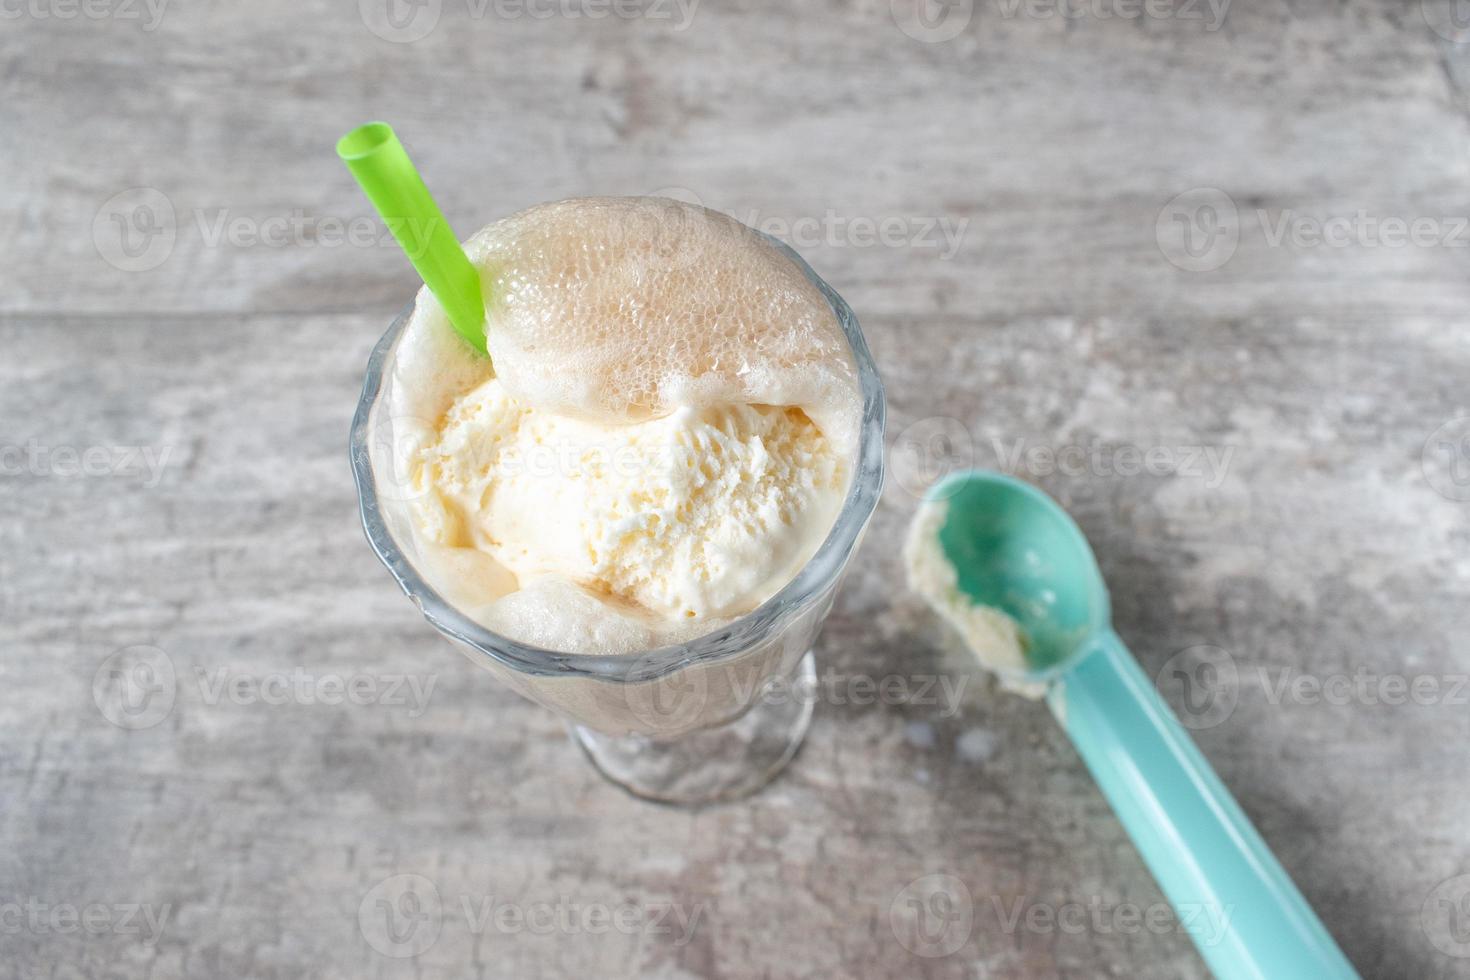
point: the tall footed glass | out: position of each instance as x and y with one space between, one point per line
712 719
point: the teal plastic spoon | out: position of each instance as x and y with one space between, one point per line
1015 549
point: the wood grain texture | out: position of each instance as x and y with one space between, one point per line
1329 542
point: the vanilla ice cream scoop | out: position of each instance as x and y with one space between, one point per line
662 436
687 516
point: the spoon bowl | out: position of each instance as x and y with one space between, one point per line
1014 549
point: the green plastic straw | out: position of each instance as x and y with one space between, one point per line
388 177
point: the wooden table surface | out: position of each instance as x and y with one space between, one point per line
1200 272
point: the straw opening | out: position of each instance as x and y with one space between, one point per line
364 140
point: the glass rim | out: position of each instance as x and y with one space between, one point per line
717 646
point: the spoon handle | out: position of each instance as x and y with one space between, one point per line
1232 896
